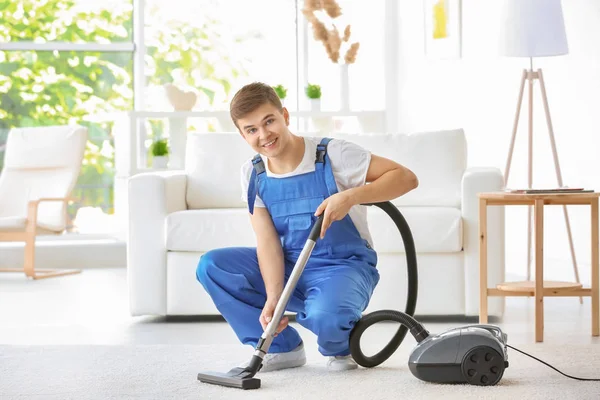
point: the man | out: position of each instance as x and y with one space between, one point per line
290 182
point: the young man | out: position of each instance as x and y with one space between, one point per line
290 182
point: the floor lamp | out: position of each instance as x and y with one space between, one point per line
535 28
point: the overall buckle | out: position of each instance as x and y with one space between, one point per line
321 150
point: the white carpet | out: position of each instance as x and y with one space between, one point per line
169 372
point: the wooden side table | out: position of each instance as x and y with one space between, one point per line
538 288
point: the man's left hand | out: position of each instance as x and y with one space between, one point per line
334 208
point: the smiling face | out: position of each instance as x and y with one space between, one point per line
266 130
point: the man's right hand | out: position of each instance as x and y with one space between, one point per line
267 314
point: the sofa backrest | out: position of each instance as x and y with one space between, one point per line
213 164
439 159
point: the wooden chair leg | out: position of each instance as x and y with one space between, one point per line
29 263
51 273
29 237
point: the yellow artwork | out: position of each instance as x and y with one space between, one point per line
442 29
440 20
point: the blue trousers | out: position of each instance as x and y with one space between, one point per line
328 300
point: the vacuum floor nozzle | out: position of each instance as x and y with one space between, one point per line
239 378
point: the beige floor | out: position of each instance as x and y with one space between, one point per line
91 308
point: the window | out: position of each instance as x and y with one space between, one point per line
213 47
204 51
82 61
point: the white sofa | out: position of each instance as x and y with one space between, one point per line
176 216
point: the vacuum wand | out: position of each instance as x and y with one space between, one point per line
268 335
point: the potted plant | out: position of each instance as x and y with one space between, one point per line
281 92
160 153
313 92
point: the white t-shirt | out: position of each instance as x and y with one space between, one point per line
349 163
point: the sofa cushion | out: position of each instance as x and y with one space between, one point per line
203 230
438 158
434 229
13 223
213 164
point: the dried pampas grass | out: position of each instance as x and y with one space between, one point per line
350 56
347 33
314 4
331 38
332 8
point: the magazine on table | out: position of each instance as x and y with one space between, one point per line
565 189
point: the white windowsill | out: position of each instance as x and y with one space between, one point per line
225 114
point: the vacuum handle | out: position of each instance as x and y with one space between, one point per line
315 232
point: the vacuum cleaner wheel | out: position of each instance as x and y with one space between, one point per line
482 366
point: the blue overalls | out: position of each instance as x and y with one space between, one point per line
336 284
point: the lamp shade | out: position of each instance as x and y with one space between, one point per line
533 28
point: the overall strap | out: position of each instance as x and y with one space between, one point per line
258 169
323 166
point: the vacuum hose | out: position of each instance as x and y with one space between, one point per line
405 319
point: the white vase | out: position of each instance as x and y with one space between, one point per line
160 162
177 142
315 104
344 88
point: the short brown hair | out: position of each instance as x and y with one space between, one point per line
250 97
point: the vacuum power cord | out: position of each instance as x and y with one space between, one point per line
545 363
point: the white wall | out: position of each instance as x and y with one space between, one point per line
479 93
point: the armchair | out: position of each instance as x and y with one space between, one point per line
41 167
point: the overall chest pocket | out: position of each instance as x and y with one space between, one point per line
299 222
295 207
294 218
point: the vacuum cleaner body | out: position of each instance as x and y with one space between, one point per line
474 354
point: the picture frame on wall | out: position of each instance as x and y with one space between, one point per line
443 29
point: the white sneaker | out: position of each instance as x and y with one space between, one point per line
277 361
341 363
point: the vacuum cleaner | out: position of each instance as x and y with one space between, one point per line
474 354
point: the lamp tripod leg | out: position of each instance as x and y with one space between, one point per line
524 77
558 174
530 78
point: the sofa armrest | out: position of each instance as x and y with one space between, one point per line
152 196
476 180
